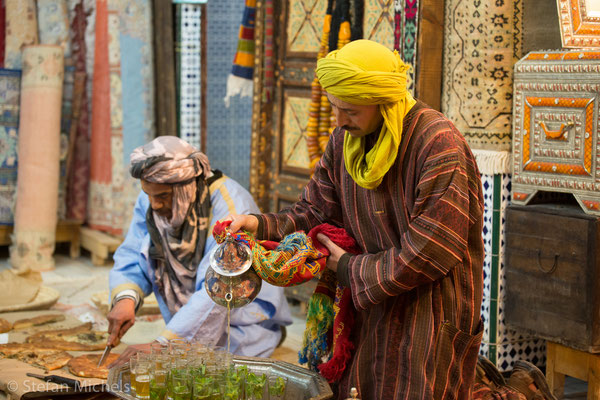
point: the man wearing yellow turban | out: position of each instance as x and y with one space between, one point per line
402 181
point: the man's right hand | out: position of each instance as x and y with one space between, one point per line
120 319
248 223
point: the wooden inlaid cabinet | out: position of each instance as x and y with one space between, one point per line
555 133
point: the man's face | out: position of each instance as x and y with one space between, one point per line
161 198
359 121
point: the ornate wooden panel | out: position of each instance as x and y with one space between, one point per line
279 157
555 139
280 166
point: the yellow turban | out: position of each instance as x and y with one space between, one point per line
367 73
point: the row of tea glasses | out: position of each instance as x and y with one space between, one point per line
185 370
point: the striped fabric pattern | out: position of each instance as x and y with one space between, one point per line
291 262
417 289
243 62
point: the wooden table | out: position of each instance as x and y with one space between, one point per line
563 360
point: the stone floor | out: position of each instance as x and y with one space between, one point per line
78 280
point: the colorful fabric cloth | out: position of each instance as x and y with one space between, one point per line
268 57
406 30
291 262
297 259
178 242
106 200
240 78
380 79
417 285
255 328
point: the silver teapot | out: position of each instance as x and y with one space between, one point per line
230 280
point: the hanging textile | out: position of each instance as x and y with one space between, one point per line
135 39
77 165
268 70
405 36
477 87
38 172
2 32
10 88
240 78
21 30
105 203
188 72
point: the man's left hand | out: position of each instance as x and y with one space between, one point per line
335 251
130 351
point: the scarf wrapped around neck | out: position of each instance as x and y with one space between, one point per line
177 245
367 73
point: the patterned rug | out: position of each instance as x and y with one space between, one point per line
10 83
135 40
105 202
379 22
53 29
482 43
405 36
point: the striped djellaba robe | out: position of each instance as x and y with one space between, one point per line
417 287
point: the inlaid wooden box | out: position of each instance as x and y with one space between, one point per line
555 131
553 274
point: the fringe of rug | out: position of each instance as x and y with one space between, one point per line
493 162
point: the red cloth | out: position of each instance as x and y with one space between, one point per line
343 322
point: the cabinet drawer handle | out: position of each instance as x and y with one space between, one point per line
559 133
539 261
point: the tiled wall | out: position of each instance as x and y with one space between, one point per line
229 129
501 345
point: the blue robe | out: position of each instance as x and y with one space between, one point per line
255 328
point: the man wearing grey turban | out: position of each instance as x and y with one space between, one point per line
166 252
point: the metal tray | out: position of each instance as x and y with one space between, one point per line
303 384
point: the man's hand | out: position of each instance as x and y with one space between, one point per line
248 223
130 351
335 251
120 319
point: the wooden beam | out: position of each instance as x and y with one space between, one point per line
430 48
100 245
164 68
